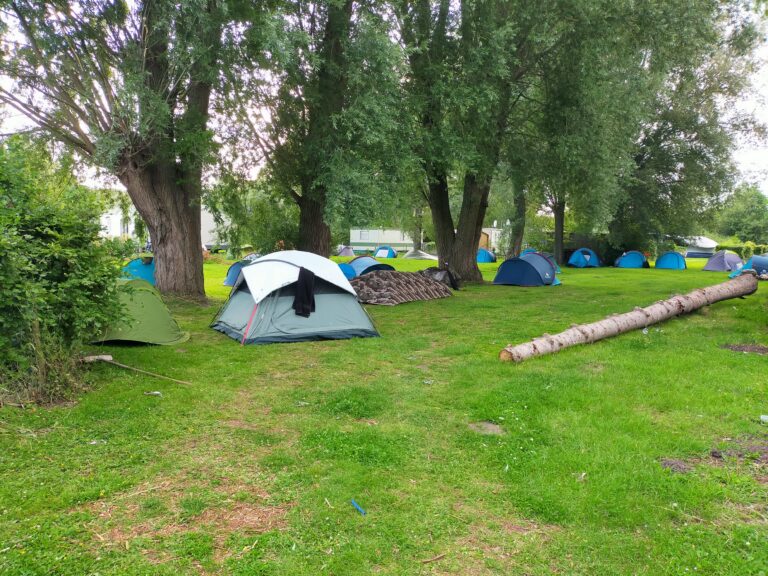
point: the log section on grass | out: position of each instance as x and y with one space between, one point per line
637 319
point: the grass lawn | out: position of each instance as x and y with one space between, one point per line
251 469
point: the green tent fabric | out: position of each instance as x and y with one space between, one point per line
145 317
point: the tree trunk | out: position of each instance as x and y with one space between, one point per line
559 210
442 219
325 101
172 215
639 318
518 224
314 232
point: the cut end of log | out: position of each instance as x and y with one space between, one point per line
505 356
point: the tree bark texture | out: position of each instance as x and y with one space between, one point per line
172 214
314 232
518 225
637 319
559 210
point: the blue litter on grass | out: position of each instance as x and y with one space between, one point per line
357 506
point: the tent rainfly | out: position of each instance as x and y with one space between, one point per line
485 256
723 261
145 318
670 261
531 269
262 306
365 264
142 268
584 258
632 259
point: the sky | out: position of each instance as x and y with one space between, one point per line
752 157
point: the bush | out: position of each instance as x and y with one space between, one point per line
57 278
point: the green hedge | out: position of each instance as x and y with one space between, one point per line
745 250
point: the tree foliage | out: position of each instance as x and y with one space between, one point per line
745 215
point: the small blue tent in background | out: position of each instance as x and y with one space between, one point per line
723 261
345 251
485 256
348 271
364 264
632 259
234 271
531 269
385 252
757 263
671 261
142 268
584 258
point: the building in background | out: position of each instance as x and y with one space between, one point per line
368 239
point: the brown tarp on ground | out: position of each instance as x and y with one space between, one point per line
391 288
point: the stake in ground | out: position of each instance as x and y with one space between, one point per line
251 469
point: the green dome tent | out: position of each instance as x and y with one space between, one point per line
145 317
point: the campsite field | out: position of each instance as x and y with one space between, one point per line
252 467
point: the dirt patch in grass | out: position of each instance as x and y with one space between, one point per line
227 505
748 348
675 465
487 428
749 451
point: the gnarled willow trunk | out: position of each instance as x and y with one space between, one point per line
172 214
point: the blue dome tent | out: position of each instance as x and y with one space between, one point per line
385 252
348 271
531 269
632 259
345 251
234 271
584 258
485 256
757 263
671 261
364 264
138 268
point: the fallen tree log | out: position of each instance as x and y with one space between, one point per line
637 319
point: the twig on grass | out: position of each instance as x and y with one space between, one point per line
109 360
433 559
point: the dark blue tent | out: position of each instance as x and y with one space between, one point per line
723 261
364 264
138 268
348 271
584 258
485 256
531 269
757 263
632 259
385 252
671 261
234 271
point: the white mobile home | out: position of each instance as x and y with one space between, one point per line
368 239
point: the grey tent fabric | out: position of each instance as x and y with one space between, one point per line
419 255
723 261
337 315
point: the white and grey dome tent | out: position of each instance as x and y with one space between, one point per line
260 307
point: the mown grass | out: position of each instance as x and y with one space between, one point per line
251 469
